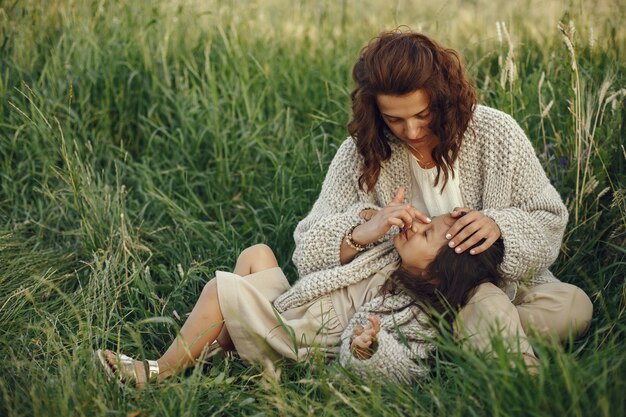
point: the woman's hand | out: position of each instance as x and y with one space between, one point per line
470 229
364 337
396 213
367 214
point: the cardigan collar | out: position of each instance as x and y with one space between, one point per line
396 171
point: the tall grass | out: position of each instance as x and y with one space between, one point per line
143 145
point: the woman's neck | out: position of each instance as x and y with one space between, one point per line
423 153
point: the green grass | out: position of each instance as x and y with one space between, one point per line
143 146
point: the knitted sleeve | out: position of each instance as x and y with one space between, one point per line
315 284
392 361
319 235
403 346
532 225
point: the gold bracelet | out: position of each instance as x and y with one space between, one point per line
354 245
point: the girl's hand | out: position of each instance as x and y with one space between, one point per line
396 213
471 229
363 339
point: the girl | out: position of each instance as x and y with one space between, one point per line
428 293
236 310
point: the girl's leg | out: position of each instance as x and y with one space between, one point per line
253 259
205 323
555 310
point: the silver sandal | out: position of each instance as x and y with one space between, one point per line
126 374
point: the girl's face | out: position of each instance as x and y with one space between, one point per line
418 249
408 117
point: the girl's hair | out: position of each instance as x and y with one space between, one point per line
448 282
396 63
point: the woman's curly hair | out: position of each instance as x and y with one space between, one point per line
397 63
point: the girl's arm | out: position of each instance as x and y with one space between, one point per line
401 347
392 360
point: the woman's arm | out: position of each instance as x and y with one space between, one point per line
342 207
532 234
318 237
378 223
532 227
518 196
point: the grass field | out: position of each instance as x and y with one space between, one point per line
144 144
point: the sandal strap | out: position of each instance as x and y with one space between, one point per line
152 370
128 364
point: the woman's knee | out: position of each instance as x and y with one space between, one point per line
488 306
488 296
557 309
581 311
488 314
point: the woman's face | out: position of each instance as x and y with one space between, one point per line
408 117
418 248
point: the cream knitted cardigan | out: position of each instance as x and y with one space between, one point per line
499 175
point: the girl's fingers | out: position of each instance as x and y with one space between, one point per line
394 222
362 343
364 339
375 322
410 214
400 218
407 219
361 352
402 214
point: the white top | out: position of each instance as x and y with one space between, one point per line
430 199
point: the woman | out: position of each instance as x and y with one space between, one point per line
235 309
416 124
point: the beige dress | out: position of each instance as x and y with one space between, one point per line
262 334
